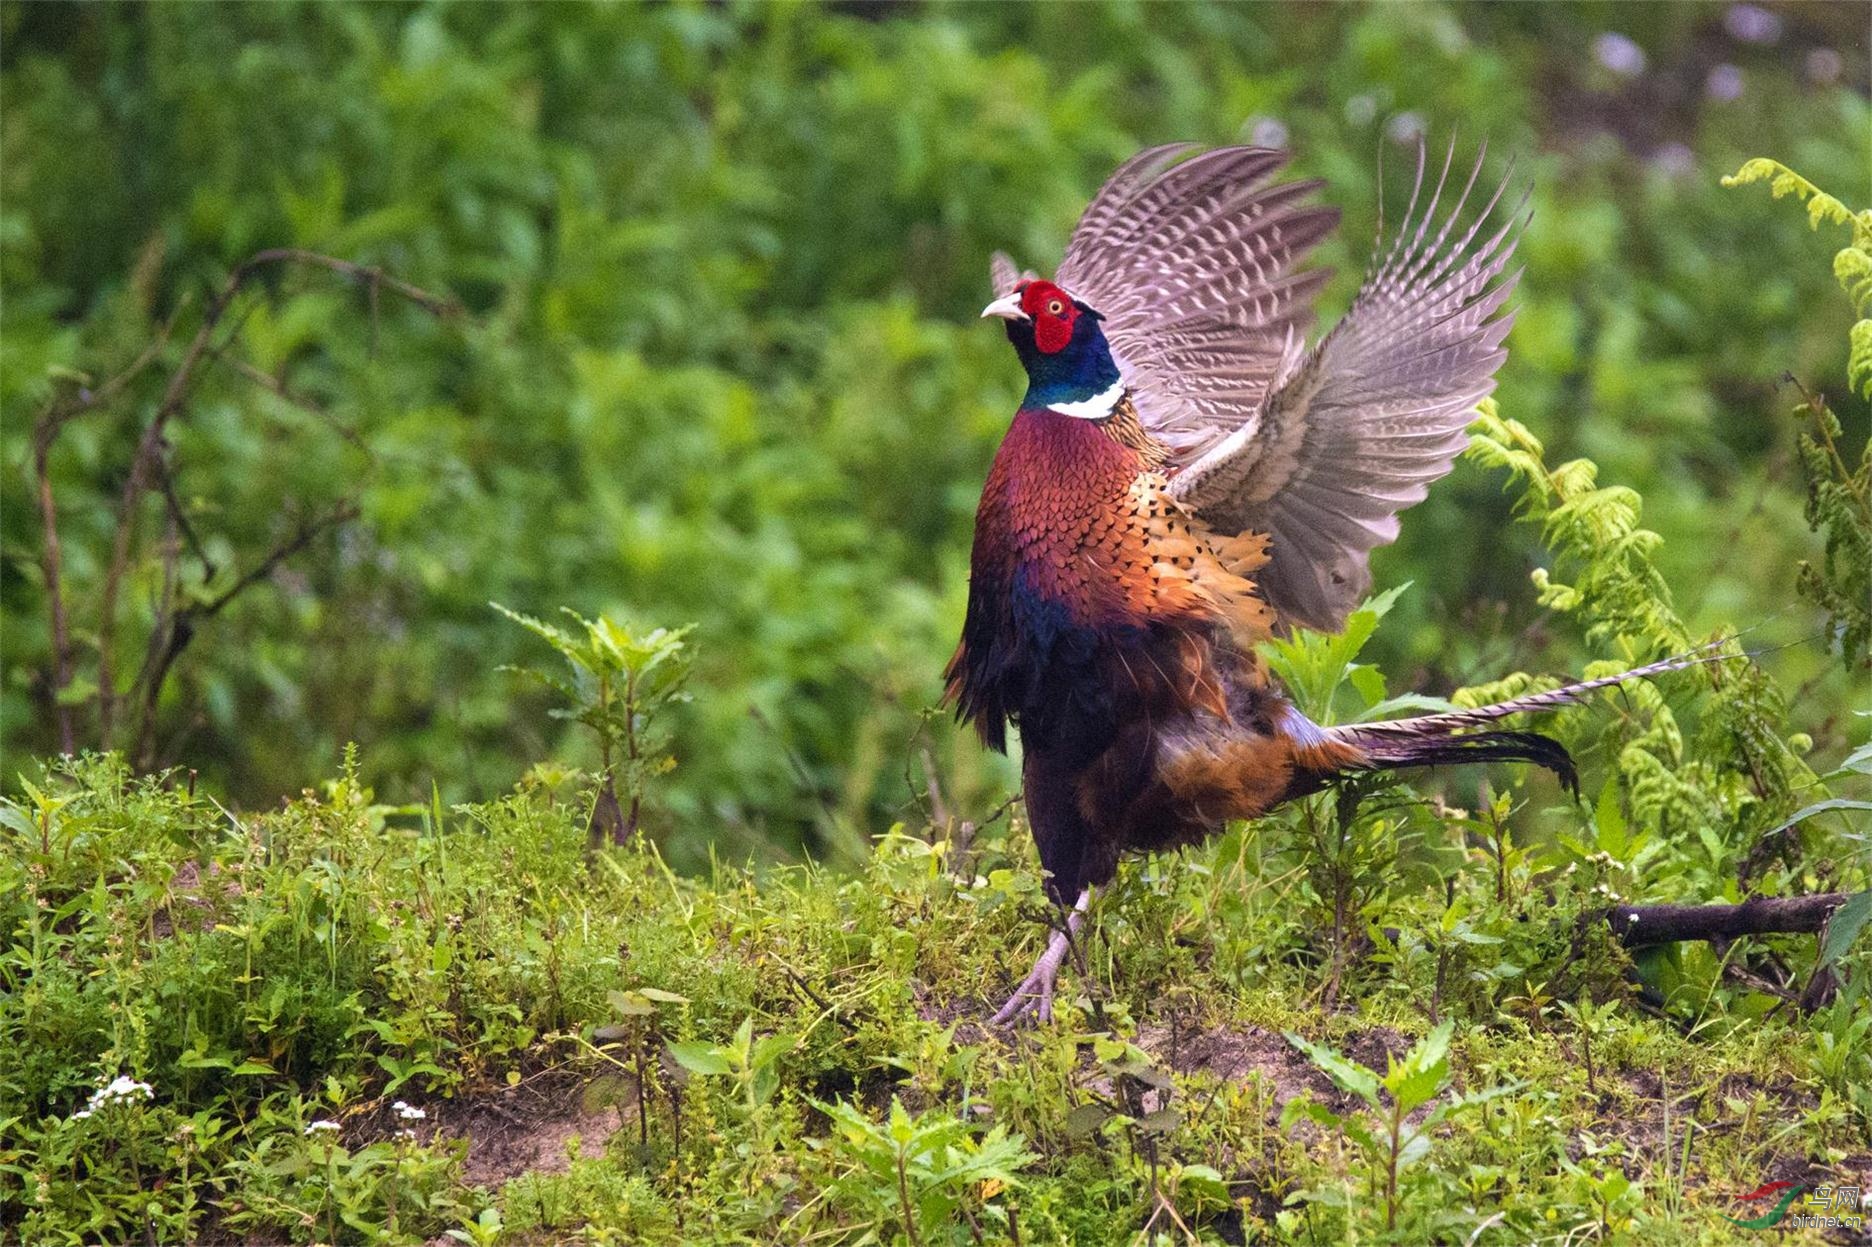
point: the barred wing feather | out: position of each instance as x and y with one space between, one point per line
1354 431
1189 260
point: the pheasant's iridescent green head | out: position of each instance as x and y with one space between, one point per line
1069 366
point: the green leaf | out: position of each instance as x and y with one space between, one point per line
1416 1079
629 1004
1369 683
1163 1121
1858 762
1414 1088
700 1058
1819 807
1844 928
1346 1074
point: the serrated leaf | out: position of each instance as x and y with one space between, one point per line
603 1092
1413 1088
1346 1074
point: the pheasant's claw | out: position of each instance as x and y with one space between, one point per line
1033 999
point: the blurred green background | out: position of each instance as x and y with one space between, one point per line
719 358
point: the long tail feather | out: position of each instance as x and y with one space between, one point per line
1434 739
1465 747
1567 695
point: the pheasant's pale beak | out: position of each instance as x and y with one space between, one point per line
1008 308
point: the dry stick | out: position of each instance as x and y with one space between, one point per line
51 422
55 595
178 516
149 447
168 621
1638 926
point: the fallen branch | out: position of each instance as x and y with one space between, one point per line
1639 926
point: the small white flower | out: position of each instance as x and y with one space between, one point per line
1361 110
81 1114
321 1127
122 1087
408 1112
407 1134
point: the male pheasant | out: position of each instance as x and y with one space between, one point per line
1183 478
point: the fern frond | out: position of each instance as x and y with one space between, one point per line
1822 208
1742 773
1859 359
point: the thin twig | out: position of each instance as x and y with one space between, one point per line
51 422
275 386
182 625
148 458
179 517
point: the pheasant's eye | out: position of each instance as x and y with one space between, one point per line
1055 307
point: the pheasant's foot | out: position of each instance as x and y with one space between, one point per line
1033 999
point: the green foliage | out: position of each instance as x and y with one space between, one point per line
1391 1134
932 1176
621 689
1743 769
1315 666
1839 496
717 360
1839 503
1852 266
762 1059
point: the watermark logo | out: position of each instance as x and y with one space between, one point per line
1796 1205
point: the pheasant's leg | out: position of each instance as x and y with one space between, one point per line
1034 997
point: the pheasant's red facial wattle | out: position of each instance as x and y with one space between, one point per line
1053 313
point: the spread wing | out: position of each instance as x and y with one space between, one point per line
1357 430
1190 261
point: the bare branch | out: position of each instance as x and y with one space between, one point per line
182 623
147 462
277 387
45 432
